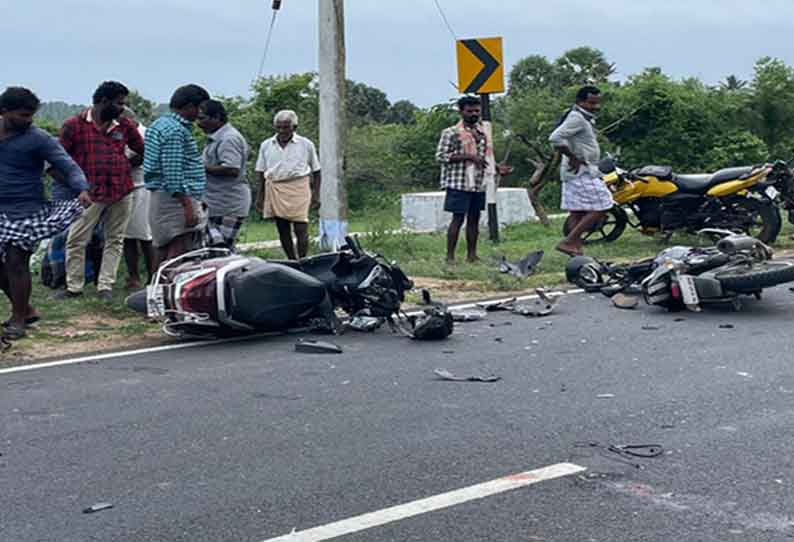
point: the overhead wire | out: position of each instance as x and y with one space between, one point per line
446 21
267 44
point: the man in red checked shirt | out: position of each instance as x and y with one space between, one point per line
96 139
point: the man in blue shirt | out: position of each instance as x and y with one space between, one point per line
174 174
26 215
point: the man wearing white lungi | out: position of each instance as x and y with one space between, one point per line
288 175
584 194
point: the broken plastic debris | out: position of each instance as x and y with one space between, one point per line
726 326
606 396
524 267
468 316
98 508
623 301
650 328
365 324
443 374
317 347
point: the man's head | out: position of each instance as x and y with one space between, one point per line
109 100
470 110
17 107
285 122
187 100
589 99
212 115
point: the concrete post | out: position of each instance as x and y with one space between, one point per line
333 195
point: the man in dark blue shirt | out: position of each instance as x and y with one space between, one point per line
26 214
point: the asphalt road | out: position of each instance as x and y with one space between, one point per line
248 441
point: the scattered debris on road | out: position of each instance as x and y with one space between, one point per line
522 268
650 328
626 453
624 301
443 374
606 396
544 305
317 347
468 316
727 326
365 324
99 507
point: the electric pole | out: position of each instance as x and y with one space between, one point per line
333 194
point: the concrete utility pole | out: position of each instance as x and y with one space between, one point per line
333 194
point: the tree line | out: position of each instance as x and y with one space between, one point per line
650 117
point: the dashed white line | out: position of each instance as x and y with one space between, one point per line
438 502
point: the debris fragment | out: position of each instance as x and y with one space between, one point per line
727 326
98 508
650 328
606 396
468 316
627 302
365 324
317 347
522 268
444 374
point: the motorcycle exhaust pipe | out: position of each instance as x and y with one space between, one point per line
737 243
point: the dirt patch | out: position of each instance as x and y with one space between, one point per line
86 334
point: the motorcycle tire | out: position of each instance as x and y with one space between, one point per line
756 277
616 217
584 272
771 222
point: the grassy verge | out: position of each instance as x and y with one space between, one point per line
87 324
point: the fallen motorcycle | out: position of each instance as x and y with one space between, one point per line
689 277
214 292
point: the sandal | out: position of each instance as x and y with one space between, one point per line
568 252
13 333
28 321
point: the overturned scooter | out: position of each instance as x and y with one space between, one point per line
212 293
690 277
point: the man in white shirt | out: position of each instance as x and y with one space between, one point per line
288 175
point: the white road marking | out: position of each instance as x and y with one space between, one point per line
182 346
431 504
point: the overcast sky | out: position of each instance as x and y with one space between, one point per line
63 48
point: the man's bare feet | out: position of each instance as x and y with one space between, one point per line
569 249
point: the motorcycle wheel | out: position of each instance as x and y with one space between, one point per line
608 230
765 221
753 279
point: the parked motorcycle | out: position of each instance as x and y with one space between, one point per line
689 277
215 293
654 199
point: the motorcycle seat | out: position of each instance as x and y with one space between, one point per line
663 173
693 183
701 183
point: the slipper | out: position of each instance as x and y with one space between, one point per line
571 253
28 321
13 333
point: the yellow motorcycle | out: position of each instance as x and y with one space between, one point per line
654 200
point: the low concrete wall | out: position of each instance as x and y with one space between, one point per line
424 211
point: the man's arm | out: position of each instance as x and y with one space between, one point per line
446 151
65 168
172 158
559 138
316 180
261 167
66 140
135 141
231 153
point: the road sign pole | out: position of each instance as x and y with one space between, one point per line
493 215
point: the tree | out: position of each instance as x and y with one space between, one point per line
772 104
144 109
402 112
733 84
583 66
532 73
366 104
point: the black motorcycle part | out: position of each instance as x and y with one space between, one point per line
649 212
607 231
678 210
663 173
759 218
271 296
756 277
137 302
584 272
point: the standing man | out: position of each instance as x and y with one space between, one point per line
138 236
288 175
174 174
462 152
26 216
228 193
584 194
96 139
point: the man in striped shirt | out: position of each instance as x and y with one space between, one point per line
174 174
